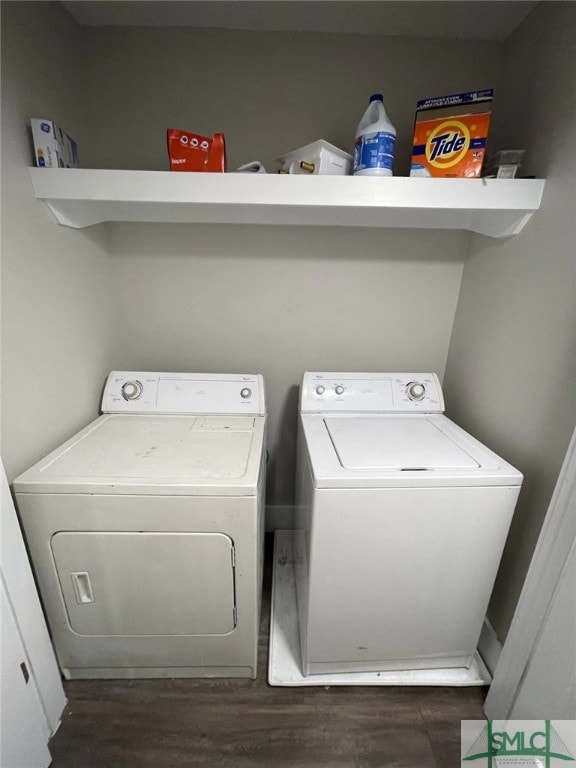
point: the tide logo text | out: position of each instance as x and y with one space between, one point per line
447 144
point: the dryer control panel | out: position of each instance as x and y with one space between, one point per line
183 393
371 392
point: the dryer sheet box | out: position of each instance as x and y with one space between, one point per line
53 147
450 134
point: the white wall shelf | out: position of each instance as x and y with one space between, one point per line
494 207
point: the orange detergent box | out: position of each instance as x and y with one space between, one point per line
450 134
191 152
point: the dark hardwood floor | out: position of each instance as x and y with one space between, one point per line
249 724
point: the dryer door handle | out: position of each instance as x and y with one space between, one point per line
82 587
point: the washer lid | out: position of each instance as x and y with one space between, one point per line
165 455
395 442
398 451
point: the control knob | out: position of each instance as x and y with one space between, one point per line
131 390
245 393
415 390
320 389
339 389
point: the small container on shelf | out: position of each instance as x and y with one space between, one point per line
504 164
318 158
450 134
53 147
375 141
192 152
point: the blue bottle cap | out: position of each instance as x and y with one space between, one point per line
376 97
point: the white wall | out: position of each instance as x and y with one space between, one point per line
57 290
511 370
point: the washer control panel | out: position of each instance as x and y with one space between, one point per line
183 393
371 392
415 390
132 390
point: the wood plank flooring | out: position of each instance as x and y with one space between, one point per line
249 724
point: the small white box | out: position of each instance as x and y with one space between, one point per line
53 147
320 157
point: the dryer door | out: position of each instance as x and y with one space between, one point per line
146 583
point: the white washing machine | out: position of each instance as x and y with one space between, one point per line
146 529
401 519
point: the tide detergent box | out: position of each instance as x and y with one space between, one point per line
53 148
450 134
191 152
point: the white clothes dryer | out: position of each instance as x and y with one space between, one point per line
146 529
401 519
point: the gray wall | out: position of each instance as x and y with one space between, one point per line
57 290
511 369
269 92
270 300
278 300
274 300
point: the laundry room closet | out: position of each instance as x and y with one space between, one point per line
493 317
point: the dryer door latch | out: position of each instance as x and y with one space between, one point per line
82 587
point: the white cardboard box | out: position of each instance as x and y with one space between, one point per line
320 157
53 147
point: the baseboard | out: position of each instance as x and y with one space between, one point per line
280 517
489 646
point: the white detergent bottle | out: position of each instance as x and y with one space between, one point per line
375 141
